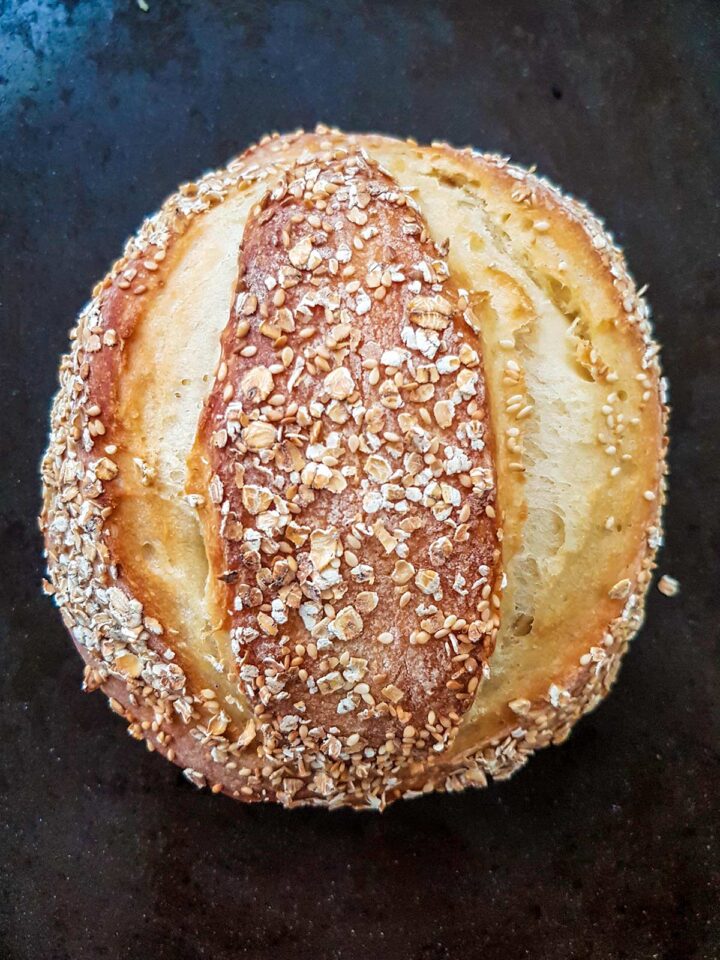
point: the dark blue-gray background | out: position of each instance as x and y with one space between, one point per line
605 848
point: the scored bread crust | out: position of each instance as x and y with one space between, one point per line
150 625
367 472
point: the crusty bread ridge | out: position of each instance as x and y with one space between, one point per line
575 422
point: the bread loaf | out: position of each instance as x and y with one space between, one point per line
355 471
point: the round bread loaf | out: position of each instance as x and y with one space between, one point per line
355 471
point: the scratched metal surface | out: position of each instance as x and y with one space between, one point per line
605 848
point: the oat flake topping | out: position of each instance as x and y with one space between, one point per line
351 462
351 490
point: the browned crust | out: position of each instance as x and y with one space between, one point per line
351 471
124 646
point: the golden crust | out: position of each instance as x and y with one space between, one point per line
349 475
140 649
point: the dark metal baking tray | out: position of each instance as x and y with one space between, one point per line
602 849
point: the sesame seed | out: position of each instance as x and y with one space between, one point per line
668 585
